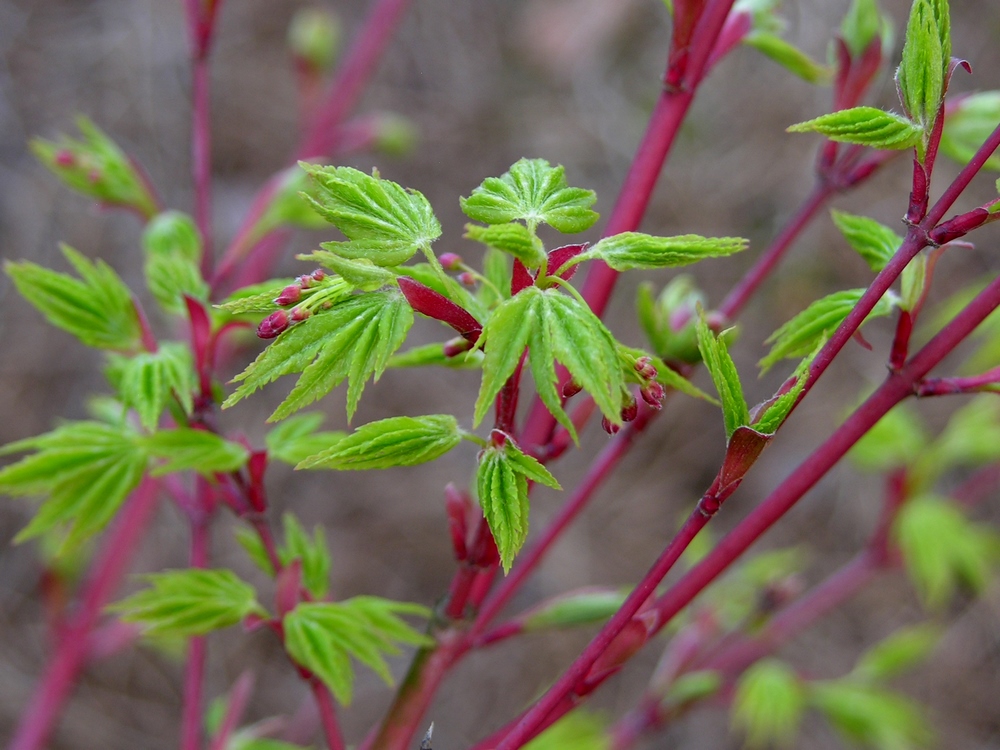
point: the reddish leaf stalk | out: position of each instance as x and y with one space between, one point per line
328 715
194 668
52 691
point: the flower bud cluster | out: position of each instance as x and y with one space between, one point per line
301 291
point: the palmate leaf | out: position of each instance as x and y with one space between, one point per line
874 242
629 250
189 602
502 486
534 192
313 553
298 437
184 449
865 126
86 469
384 222
720 365
97 308
397 441
148 380
553 327
353 339
172 246
323 637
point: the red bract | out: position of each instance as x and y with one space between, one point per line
426 301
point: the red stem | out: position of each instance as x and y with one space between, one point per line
194 668
201 159
327 715
52 691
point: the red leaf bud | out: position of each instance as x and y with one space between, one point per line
451 261
318 275
289 295
65 158
645 367
609 427
630 411
299 314
467 278
571 388
653 394
271 326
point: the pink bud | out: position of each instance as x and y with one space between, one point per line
289 295
571 388
94 176
318 275
451 261
300 313
467 278
653 394
305 281
630 411
273 325
609 427
65 158
645 367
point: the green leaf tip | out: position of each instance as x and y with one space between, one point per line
720 365
923 72
149 380
769 704
874 242
865 126
534 192
185 449
512 238
172 246
788 56
634 250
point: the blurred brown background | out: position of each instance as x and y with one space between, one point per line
485 82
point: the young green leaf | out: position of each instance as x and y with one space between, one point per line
874 242
94 166
865 126
323 637
900 651
788 56
361 273
871 717
353 339
923 72
768 704
497 270
721 367
172 246
87 469
313 554
250 541
534 192
577 730
296 438
184 449
149 380
861 25
583 607
259 298
969 124
189 602
397 441
288 206
383 222
773 416
437 354
629 250
897 440
971 437
668 319
515 239
528 467
97 308
503 495
799 336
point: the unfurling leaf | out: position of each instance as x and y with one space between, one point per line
149 380
86 469
397 441
515 239
353 339
323 637
312 553
189 602
577 730
629 250
874 242
968 126
865 126
861 25
788 56
97 308
923 72
769 704
583 607
184 449
296 438
173 250
534 192
361 273
721 367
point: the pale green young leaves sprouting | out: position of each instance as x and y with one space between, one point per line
874 242
515 239
631 250
313 554
553 327
189 602
577 730
323 637
97 308
502 486
149 380
861 25
865 126
720 365
923 72
172 246
383 222
769 704
969 124
298 437
902 650
397 441
534 192
354 340
86 469
788 56
185 449
897 440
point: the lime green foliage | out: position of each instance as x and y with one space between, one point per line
768 704
692 687
899 652
352 340
972 435
172 247
631 250
397 441
923 73
97 308
297 438
94 166
577 730
313 554
149 380
534 192
871 717
943 550
434 354
897 440
721 367
502 485
361 273
679 298
969 125
515 239
314 35
383 222
788 56
738 595
865 126
874 242
801 334
553 327
189 602
861 25
184 449
583 607
323 637
86 469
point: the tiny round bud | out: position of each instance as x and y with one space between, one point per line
289 295
467 278
318 275
571 388
300 313
653 394
273 325
630 410
94 176
609 427
65 158
305 281
451 261
645 367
